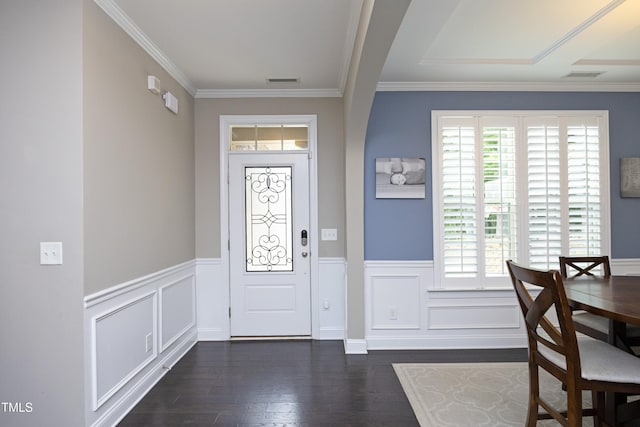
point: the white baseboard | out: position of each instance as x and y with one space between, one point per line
355 346
329 333
212 334
446 343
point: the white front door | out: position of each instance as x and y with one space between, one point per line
269 254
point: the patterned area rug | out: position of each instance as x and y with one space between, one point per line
476 394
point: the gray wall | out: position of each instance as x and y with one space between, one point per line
41 315
90 158
330 164
138 161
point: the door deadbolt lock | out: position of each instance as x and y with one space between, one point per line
303 238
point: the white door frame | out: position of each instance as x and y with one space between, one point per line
314 235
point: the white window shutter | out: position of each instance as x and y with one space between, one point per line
545 213
459 192
583 149
496 174
499 205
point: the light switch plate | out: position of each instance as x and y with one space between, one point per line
329 234
50 253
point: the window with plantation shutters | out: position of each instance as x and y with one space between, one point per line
527 186
544 187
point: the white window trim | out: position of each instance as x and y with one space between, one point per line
438 250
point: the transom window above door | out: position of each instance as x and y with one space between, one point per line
279 137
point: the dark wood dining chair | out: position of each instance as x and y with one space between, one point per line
584 265
579 364
588 323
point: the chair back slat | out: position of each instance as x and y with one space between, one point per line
562 338
584 265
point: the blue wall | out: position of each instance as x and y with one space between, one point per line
400 126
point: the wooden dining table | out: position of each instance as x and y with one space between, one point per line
618 299
615 297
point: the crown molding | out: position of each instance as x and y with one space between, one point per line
507 87
129 27
268 93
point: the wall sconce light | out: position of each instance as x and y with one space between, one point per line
153 84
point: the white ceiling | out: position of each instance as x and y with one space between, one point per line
227 48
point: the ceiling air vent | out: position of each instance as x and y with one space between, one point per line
584 74
284 80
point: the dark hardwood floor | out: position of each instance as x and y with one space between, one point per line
289 383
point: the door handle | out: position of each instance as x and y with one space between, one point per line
304 254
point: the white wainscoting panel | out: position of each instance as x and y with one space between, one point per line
178 309
135 332
119 356
404 312
493 315
396 301
212 284
330 303
447 319
627 266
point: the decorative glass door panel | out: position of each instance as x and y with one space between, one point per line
268 222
